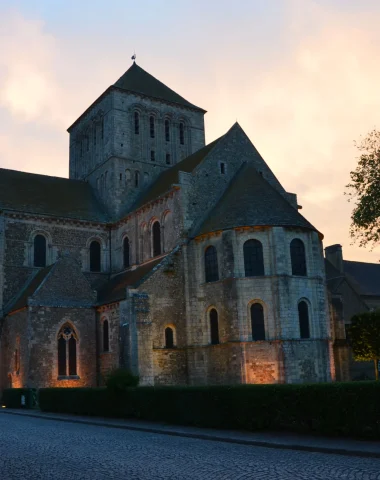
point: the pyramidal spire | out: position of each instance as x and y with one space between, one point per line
137 80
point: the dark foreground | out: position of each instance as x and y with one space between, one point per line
32 448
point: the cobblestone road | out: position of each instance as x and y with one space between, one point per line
34 449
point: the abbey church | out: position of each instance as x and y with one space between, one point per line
188 264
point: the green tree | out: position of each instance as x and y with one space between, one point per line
364 190
364 337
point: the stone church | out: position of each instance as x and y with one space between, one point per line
187 263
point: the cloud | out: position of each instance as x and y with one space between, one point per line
304 112
303 86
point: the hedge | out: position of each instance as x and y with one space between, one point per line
343 409
11 397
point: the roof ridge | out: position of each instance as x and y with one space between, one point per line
44 175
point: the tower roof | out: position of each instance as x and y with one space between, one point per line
251 201
137 80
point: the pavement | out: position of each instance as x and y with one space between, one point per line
279 440
61 447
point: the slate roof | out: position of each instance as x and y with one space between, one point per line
114 290
20 301
45 195
251 201
137 80
170 177
366 276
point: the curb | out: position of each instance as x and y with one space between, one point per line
205 436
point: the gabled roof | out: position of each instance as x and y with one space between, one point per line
365 276
137 80
251 201
170 177
115 289
21 299
45 195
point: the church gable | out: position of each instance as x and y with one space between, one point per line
137 80
65 285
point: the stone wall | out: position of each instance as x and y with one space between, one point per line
62 238
45 323
111 165
108 360
14 336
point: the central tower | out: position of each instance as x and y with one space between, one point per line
136 129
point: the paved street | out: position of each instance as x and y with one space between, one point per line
32 448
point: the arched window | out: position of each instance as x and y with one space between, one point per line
156 233
137 123
39 251
214 327
257 322
297 254
211 264
151 126
167 131
168 161
67 352
303 317
146 178
169 337
95 263
137 178
253 258
127 176
181 133
126 261
106 338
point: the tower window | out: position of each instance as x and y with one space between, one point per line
152 156
39 251
214 327
169 337
181 133
156 233
167 130
168 162
106 337
95 256
303 317
137 123
253 258
222 168
298 259
126 252
137 178
211 264
257 322
151 126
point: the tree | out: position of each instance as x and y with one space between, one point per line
365 190
364 337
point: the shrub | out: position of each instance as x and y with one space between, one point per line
12 397
342 409
120 379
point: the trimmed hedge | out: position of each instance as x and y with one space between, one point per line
343 409
11 397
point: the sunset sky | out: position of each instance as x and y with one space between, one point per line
301 77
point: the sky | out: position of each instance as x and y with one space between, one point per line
300 76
